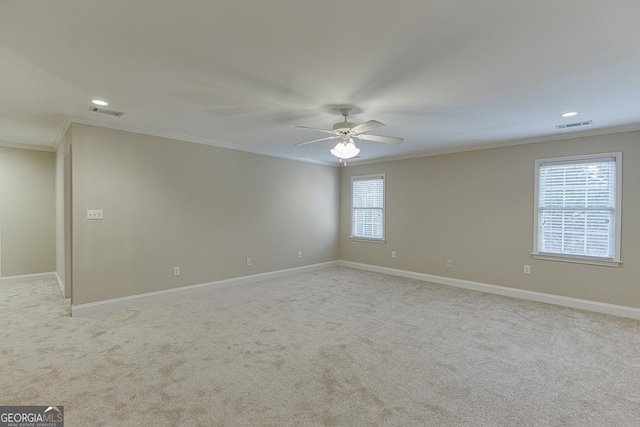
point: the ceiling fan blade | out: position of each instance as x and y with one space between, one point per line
318 140
319 130
380 138
364 127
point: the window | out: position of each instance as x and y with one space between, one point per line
367 203
578 208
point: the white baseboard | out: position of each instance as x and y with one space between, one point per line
99 306
60 284
598 307
23 278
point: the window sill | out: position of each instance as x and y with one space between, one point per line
577 260
364 240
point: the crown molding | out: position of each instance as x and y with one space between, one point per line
64 127
25 146
506 143
62 131
193 139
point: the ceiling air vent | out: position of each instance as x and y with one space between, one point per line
105 111
574 125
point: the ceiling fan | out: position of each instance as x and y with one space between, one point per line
346 131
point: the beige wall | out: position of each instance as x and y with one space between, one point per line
476 208
27 235
169 203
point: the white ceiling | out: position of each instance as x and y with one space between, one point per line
446 75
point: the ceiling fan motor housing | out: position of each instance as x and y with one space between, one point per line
343 127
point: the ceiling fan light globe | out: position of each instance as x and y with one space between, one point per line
345 151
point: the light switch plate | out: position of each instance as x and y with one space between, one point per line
94 214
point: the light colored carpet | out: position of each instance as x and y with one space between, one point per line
335 347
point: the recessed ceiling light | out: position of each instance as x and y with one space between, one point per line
570 114
100 102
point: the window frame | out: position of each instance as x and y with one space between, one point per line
352 209
609 262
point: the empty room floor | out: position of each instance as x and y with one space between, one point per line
336 347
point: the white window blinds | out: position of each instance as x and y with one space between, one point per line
367 217
577 207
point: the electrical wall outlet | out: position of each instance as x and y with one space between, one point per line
527 269
393 254
176 271
248 262
94 214
449 263
299 254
